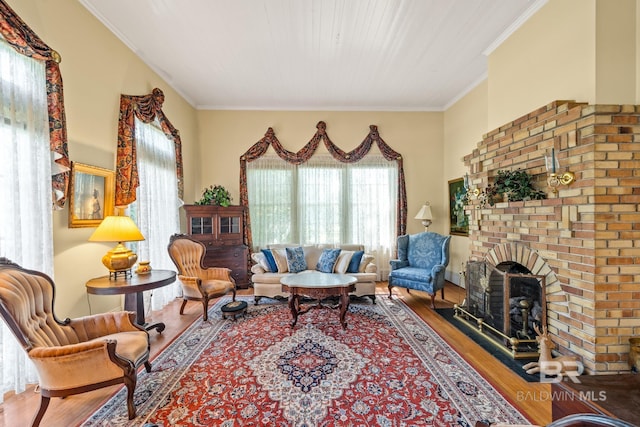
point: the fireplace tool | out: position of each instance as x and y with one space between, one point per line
525 305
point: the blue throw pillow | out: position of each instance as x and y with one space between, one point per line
295 260
354 264
270 260
327 260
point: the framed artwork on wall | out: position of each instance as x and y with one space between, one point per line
459 222
91 195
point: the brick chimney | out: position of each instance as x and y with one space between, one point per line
585 238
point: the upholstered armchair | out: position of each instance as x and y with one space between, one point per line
198 283
422 260
70 356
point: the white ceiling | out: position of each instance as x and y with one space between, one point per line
390 55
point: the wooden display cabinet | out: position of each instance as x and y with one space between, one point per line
221 231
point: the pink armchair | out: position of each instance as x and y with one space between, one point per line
198 283
70 356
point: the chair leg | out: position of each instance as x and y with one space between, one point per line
256 299
442 293
184 302
147 366
433 301
44 404
390 287
205 306
130 381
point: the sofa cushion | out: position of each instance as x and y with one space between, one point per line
354 263
295 259
270 260
312 255
414 274
366 260
342 263
328 260
260 259
274 278
280 256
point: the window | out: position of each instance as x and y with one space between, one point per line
325 201
26 235
155 210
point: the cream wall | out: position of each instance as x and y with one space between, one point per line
464 124
551 56
226 135
582 50
96 68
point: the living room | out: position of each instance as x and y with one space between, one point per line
568 50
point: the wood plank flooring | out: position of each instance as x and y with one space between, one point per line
18 409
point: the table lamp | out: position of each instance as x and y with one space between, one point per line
425 215
120 259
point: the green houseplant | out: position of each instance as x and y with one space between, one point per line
516 185
215 195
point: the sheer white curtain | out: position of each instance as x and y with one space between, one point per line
271 190
156 208
26 230
325 201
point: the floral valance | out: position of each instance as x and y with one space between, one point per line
260 148
145 108
24 40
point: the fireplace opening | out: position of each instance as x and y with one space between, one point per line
505 302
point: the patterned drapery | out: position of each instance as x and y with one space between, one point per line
146 108
24 40
260 148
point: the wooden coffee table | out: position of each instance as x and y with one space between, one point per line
318 286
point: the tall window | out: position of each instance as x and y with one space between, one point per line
325 201
155 210
26 235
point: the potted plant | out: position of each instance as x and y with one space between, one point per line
514 185
215 195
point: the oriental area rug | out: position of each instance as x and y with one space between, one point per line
388 368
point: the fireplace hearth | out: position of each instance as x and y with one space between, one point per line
505 302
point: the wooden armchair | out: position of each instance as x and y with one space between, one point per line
70 356
198 283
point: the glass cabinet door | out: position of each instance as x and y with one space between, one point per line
229 224
201 225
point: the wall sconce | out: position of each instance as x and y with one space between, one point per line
470 192
425 215
555 179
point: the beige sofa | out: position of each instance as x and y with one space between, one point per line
266 283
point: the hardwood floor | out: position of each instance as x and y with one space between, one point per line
18 409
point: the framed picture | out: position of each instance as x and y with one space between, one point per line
92 195
459 222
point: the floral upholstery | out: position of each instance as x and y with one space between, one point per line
421 264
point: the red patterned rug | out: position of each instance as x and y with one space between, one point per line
389 368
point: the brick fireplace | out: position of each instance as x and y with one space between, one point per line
585 239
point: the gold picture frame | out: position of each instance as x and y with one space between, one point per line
92 195
458 220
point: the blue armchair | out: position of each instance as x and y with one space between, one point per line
422 260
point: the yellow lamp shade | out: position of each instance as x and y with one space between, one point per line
118 229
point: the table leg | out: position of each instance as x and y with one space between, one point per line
293 306
344 306
135 302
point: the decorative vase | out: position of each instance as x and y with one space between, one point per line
144 267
